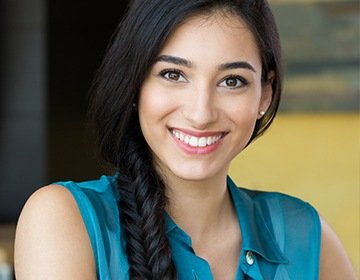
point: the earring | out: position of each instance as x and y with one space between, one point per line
134 106
261 113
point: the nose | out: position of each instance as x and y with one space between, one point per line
200 108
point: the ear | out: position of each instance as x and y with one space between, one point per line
266 94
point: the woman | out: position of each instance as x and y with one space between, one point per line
184 87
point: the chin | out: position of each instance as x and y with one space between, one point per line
196 174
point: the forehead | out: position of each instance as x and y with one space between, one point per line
220 35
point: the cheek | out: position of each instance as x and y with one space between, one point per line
147 100
244 111
154 101
243 116
245 123
153 108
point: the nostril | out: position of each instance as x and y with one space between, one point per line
194 275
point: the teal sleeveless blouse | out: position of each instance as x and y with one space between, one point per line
281 235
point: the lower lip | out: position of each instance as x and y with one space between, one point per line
196 150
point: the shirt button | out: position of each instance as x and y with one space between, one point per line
250 258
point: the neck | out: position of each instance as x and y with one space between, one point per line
200 208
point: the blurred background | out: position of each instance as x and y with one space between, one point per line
50 51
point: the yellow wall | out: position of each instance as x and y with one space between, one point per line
315 157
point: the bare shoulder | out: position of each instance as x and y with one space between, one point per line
51 238
334 263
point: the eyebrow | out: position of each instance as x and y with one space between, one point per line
236 65
174 59
187 63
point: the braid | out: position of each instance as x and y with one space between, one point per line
142 206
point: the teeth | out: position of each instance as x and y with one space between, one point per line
196 141
202 142
193 141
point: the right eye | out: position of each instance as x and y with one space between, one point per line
173 75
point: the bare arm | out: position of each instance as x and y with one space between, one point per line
334 263
51 239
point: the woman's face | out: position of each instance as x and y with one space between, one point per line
202 97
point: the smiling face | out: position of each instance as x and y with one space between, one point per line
201 99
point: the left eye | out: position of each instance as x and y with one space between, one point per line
233 82
173 75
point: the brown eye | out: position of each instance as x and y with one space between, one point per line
233 82
173 75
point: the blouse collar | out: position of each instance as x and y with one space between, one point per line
256 236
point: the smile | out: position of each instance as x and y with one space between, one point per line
195 141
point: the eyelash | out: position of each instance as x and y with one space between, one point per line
166 72
243 82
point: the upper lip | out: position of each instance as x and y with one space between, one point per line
197 133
